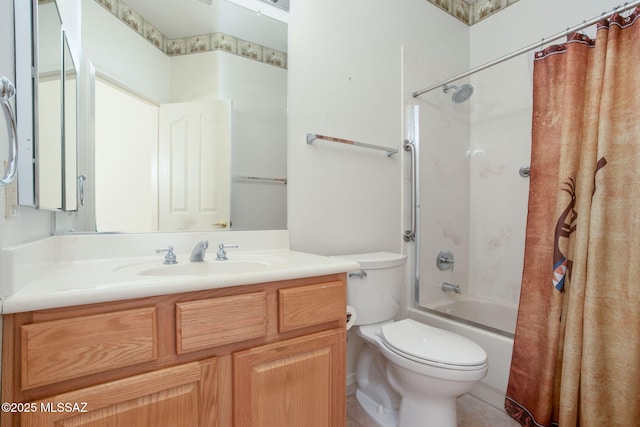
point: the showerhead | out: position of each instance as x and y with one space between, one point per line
460 94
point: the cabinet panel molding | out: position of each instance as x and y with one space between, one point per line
183 395
296 382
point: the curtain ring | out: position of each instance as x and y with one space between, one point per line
7 91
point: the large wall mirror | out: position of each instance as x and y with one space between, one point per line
188 104
46 108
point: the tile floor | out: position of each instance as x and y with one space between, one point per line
472 412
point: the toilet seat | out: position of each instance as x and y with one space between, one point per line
432 346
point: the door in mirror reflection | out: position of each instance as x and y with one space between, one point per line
194 159
161 167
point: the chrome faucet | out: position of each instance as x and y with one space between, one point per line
197 255
450 287
222 255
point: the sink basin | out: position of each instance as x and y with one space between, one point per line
237 263
206 268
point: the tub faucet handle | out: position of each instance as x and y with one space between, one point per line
445 260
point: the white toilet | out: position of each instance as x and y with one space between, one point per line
409 374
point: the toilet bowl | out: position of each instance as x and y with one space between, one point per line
428 368
408 374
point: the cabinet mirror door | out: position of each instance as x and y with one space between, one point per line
46 78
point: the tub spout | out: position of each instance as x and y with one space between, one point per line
450 287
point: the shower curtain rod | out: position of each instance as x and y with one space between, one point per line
585 24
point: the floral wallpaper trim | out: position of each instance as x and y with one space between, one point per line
472 12
195 44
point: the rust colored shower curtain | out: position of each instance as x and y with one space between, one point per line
576 356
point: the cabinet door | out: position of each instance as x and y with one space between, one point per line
292 383
179 396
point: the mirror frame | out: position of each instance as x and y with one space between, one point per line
26 60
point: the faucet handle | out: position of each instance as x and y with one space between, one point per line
222 255
223 246
170 257
445 260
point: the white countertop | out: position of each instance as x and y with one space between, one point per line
68 270
92 281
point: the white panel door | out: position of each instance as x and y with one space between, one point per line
194 165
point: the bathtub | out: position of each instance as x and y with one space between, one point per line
493 315
496 337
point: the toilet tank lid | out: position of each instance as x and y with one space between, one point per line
375 259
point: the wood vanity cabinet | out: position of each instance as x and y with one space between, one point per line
270 354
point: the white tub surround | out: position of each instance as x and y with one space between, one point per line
82 269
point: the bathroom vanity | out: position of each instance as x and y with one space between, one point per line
268 353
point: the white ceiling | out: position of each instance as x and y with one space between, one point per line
185 18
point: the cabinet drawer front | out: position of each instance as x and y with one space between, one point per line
218 321
70 348
311 305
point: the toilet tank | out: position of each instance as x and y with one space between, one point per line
376 296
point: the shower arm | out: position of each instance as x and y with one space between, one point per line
538 45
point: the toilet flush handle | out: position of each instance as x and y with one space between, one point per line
361 274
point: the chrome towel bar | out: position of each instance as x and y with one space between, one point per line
7 91
262 179
313 136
